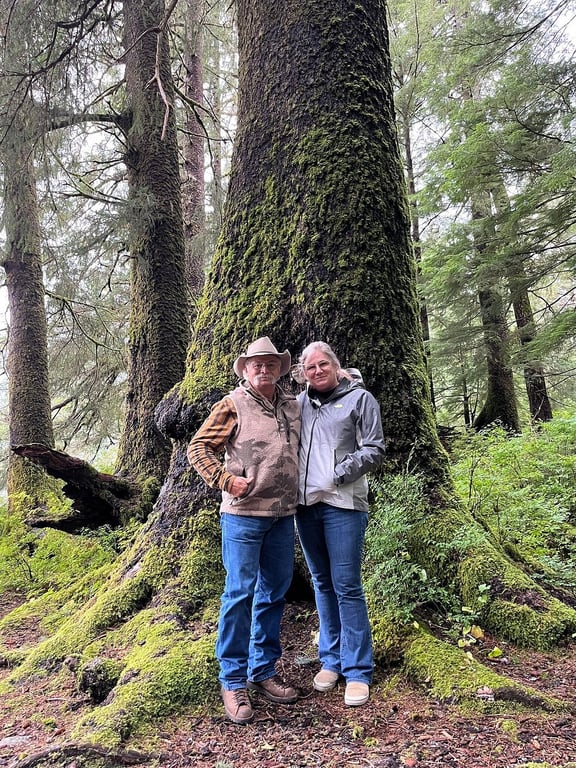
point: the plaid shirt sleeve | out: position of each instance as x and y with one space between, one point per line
209 443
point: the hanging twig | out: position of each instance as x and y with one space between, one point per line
159 31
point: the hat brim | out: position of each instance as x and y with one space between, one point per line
284 357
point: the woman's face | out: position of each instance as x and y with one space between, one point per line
320 371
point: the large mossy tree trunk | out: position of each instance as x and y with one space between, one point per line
159 323
315 245
315 242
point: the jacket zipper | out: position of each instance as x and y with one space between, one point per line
309 452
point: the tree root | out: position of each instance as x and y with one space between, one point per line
450 675
85 755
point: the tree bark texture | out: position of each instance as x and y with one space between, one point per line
315 243
216 185
417 244
159 329
28 381
536 389
500 403
534 378
193 150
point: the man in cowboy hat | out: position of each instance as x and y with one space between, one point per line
257 427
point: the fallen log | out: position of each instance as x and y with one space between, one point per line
98 498
89 754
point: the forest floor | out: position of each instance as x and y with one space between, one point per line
400 726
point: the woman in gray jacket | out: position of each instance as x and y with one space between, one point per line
341 440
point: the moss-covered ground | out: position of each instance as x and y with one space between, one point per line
404 724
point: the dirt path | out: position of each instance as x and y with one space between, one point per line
399 728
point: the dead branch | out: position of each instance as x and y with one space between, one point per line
97 498
58 755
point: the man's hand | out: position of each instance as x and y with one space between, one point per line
240 486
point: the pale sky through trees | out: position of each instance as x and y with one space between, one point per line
567 24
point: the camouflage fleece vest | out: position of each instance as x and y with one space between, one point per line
264 448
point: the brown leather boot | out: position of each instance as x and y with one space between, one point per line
237 705
275 689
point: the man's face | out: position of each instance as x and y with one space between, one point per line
262 372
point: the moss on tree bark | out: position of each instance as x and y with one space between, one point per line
159 322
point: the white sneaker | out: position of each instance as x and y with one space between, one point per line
356 694
325 680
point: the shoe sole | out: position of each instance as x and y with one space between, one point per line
356 702
239 720
270 696
324 687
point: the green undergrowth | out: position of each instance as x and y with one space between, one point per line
54 607
522 489
395 575
36 560
123 595
501 559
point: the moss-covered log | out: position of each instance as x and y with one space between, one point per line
97 498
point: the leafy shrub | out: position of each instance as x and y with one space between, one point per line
523 490
392 579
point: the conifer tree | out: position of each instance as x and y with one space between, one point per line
315 244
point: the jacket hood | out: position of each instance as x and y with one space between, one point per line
343 387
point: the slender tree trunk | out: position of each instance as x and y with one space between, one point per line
216 190
466 401
28 381
415 229
159 328
193 150
500 402
538 400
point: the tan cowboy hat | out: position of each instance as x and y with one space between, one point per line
260 347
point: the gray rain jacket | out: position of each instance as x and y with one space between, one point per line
341 440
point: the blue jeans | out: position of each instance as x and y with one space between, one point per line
258 556
332 540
